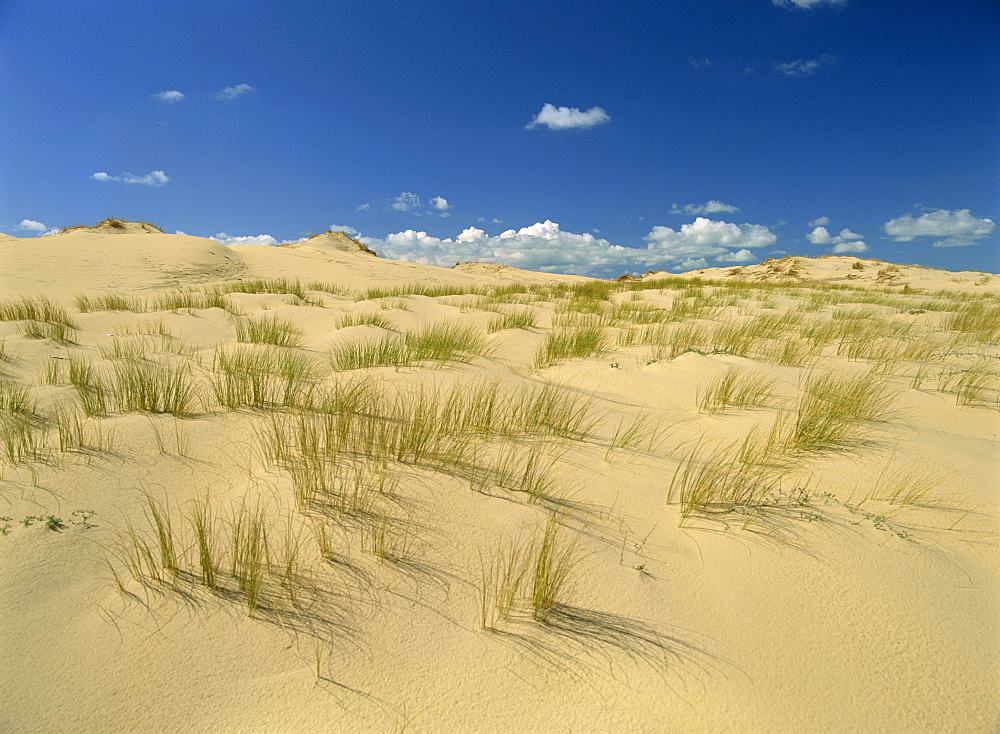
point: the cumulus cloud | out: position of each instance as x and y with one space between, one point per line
153 178
958 227
30 225
362 207
843 243
410 202
170 97
709 207
233 92
843 248
707 238
740 256
822 236
260 239
405 202
819 222
345 229
807 4
545 247
804 67
565 118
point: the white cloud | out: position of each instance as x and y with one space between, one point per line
741 256
821 236
845 242
405 202
545 247
170 97
363 207
819 222
806 4
564 118
804 67
707 238
709 207
261 239
699 63
233 92
153 178
346 230
959 227
692 264
29 225
845 247
410 202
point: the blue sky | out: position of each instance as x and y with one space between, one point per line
587 137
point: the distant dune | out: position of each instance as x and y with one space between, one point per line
306 488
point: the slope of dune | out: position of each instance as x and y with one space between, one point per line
303 488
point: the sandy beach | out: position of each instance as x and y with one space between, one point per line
307 488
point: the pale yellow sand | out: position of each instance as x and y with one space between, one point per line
832 612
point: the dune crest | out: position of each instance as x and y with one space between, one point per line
328 241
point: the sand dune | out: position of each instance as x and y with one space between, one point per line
304 488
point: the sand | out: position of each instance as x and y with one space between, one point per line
829 606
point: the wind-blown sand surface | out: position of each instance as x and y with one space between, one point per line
486 539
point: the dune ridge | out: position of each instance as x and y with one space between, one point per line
305 488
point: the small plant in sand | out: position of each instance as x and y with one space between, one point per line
38 308
54 330
193 300
140 386
533 575
571 343
268 330
364 319
262 376
834 410
522 319
970 385
111 302
736 388
441 342
714 480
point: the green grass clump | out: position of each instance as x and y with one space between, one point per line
422 289
15 397
140 386
523 319
268 330
37 308
262 376
364 319
286 286
111 302
719 480
445 342
534 575
970 385
978 320
571 343
334 289
833 410
193 300
442 342
54 330
89 386
735 388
